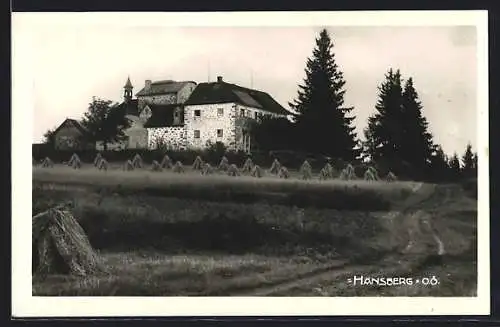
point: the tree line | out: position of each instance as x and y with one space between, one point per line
397 136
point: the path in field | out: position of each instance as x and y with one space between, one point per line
412 216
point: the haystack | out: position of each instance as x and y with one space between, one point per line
60 245
178 167
306 170
137 161
283 173
207 169
166 162
128 166
224 164
391 177
97 159
198 163
257 171
155 166
326 172
275 167
348 173
75 161
102 165
248 166
47 163
233 170
369 175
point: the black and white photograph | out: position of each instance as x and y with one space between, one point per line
251 163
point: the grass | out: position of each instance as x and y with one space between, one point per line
173 243
333 194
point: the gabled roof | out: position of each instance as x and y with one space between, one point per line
162 115
222 92
129 107
163 87
68 122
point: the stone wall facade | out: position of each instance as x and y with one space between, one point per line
215 123
142 101
185 92
173 138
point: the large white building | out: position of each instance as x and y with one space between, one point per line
187 115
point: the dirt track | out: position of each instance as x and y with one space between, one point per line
417 221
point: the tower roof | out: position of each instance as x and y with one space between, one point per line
128 85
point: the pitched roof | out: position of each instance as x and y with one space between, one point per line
162 116
222 92
68 122
128 85
163 87
129 108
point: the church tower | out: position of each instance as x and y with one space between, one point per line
127 95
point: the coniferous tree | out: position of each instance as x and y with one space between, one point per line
475 162
323 122
468 162
416 144
439 164
397 133
454 165
383 133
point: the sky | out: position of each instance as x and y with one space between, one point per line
73 63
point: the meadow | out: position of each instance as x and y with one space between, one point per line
167 234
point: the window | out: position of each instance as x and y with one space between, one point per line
220 133
242 112
197 113
197 134
256 115
220 112
249 113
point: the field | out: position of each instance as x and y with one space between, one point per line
167 234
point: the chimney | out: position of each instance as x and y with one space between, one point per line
219 79
147 84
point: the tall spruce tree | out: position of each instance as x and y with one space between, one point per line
468 162
416 144
454 165
397 134
439 164
383 133
323 123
